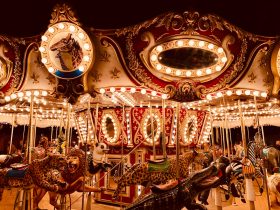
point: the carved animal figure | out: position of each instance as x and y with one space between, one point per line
239 151
272 156
44 172
274 189
74 175
69 53
183 194
158 173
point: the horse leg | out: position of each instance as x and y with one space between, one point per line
53 200
239 189
39 193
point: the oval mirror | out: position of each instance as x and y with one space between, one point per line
190 128
110 127
151 128
187 58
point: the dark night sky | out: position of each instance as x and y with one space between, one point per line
22 18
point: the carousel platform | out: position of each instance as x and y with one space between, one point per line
9 196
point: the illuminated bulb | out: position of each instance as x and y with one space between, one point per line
7 98
159 48
180 43
191 42
220 50
188 73
44 93
159 66
20 94
247 92
86 46
51 29
154 93
132 90
238 92
229 92
209 97
178 72
168 70
86 58
44 60
164 96
143 91
210 46
154 57
42 49
36 93
208 71
61 26
224 59
81 68
218 68
256 93
198 72
264 94
13 96
44 38
201 43
28 93
51 69
81 35
219 94
123 89
72 28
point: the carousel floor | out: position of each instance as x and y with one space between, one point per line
7 203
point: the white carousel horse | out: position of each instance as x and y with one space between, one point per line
239 151
273 182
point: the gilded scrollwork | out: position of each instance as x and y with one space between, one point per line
184 90
6 66
61 13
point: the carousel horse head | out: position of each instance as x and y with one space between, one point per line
272 157
97 158
239 151
69 52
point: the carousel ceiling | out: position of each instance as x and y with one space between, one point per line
198 59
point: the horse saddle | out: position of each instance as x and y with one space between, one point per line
158 165
164 187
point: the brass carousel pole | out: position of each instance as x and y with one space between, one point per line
248 180
67 131
177 139
163 130
28 200
264 169
12 133
152 131
87 138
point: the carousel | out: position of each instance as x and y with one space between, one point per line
140 117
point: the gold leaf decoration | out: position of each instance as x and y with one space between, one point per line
252 78
115 73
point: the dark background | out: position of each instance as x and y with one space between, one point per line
31 17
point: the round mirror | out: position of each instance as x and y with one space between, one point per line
187 58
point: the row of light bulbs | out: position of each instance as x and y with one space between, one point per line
25 94
191 43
